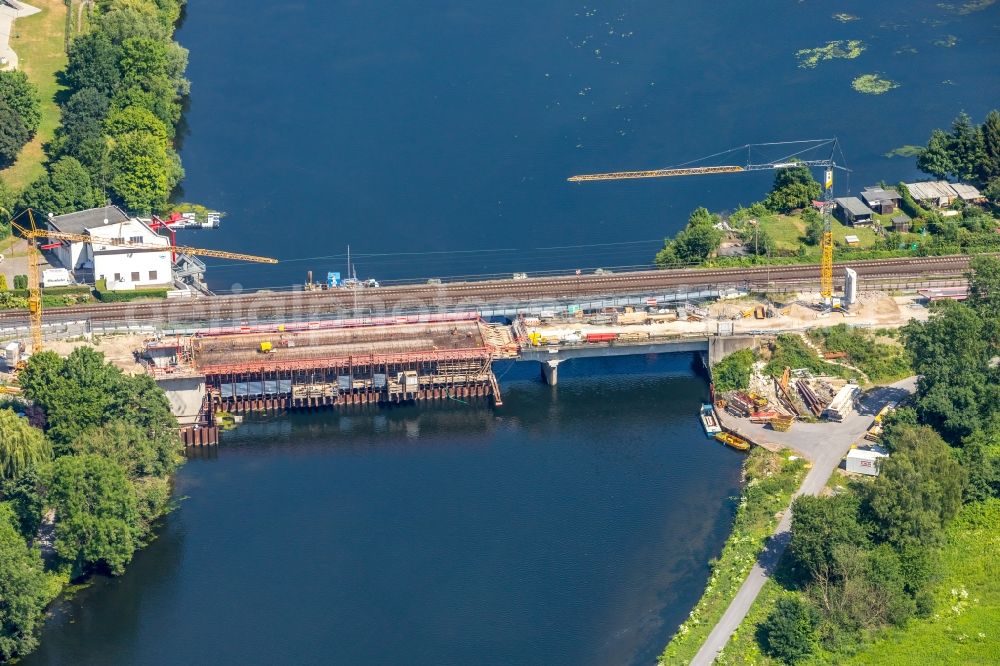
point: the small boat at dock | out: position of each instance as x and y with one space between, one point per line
709 421
733 441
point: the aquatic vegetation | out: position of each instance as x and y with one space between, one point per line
967 7
905 151
845 18
906 49
850 49
873 84
946 42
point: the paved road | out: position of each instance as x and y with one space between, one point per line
825 445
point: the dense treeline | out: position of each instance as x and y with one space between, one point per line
125 82
79 493
969 153
20 113
865 559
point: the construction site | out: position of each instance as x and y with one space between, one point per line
334 364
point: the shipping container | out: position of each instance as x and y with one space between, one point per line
600 337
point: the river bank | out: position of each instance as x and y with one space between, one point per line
769 481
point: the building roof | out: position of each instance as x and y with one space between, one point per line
936 189
876 194
900 218
126 230
82 220
854 206
966 192
865 454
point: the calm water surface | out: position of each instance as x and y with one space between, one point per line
569 527
449 127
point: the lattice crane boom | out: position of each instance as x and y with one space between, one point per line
33 233
826 245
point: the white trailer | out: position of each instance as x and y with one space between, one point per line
864 461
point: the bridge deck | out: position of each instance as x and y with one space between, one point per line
303 347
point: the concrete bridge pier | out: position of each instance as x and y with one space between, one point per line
550 371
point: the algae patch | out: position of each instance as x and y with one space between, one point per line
850 49
873 84
845 18
905 151
946 42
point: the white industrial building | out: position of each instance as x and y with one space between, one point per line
104 258
864 461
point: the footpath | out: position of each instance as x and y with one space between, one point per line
824 445
9 11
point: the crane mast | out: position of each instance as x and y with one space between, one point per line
33 233
787 162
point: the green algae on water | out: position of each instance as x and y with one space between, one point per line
873 84
946 42
850 49
845 18
908 150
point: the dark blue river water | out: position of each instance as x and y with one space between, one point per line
572 526
439 133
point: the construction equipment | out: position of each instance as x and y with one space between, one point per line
785 162
32 233
266 347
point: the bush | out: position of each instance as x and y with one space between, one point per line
789 633
880 361
733 372
126 296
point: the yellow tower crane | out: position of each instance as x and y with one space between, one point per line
794 159
32 233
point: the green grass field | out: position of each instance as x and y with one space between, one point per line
964 629
39 42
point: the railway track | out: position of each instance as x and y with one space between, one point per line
261 305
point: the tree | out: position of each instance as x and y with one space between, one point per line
21 95
21 446
918 490
984 286
22 590
97 522
936 159
789 632
139 172
13 134
122 22
980 456
3 283
132 448
64 189
7 199
25 494
793 188
136 119
76 393
93 63
819 526
991 146
956 385
967 149
814 225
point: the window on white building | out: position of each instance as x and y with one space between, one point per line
135 276
135 239
152 275
118 277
